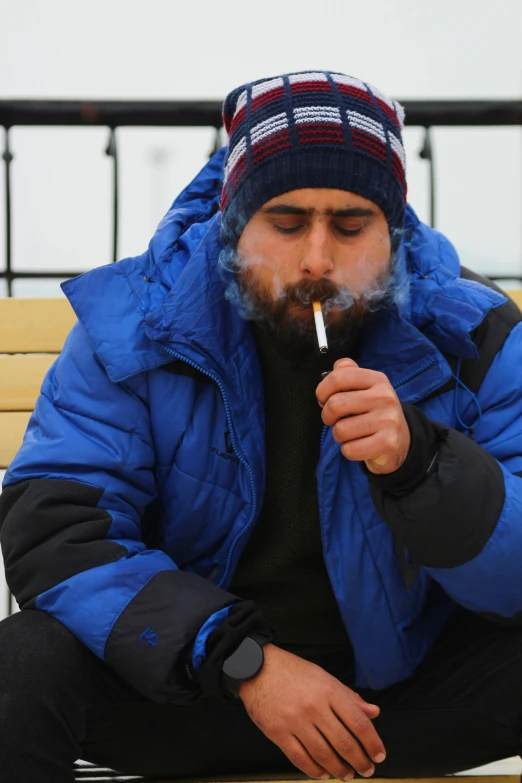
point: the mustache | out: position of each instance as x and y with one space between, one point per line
298 296
306 291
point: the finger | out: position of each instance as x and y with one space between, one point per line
295 751
372 710
340 363
350 403
353 404
345 744
348 379
325 756
378 448
345 363
360 725
354 427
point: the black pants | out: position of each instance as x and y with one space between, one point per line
58 702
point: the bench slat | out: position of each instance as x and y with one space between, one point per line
516 296
34 325
20 379
12 428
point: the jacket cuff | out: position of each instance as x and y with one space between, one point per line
242 619
426 436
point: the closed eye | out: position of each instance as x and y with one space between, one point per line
349 232
290 230
346 232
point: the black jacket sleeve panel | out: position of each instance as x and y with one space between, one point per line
451 506
50 531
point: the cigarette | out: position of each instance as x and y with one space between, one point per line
319 327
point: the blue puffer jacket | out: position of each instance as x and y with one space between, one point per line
128 440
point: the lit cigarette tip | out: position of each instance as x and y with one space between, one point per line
319 327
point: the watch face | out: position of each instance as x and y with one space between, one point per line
245 662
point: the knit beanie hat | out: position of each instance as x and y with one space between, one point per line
313 129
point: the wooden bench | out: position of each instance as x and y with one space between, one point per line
100 774
32 333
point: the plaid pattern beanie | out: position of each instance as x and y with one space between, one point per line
313 129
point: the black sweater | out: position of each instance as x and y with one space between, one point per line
282 568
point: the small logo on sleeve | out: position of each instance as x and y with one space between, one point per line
149 637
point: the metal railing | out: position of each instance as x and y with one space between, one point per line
118 114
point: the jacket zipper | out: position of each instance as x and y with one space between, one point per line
323 435
239 455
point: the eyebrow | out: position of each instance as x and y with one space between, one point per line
289 209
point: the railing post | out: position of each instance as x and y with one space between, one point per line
112 152
426 153
7 157
217 142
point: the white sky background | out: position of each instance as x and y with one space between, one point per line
165 50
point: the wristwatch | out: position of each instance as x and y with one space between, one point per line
244 663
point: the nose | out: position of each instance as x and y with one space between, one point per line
316 260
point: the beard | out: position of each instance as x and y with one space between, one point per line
288 317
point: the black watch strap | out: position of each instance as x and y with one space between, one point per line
244 663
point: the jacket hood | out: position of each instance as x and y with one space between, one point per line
171 298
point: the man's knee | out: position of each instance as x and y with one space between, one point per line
45 683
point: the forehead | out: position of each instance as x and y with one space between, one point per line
322 199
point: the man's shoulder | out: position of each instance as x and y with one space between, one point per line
490 335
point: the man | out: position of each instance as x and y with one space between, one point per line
233 555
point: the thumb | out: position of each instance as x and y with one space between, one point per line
372 710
